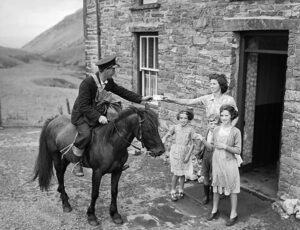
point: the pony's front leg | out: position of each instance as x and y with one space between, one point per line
113 211
96 180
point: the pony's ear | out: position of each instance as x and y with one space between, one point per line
147 107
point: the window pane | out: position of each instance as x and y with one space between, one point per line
156 53
153 84
151 50
267 43
150 83
144 52
147 83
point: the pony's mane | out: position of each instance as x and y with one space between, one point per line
147 114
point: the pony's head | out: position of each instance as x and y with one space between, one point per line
147 129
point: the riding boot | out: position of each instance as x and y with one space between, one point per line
77 154
206 189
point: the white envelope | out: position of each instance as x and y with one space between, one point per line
157 97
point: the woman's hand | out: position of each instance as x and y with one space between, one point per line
220 146
186 159
167 99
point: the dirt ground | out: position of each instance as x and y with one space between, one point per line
143 199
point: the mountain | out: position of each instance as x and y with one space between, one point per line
10 57
63 42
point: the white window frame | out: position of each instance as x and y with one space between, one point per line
149 1
151 71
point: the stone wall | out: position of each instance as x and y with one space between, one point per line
199 37
91 35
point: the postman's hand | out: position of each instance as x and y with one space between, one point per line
147 98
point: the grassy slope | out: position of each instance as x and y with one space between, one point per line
24 102
63 42
10 57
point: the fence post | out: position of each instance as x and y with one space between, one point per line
60 110
1 127
68 106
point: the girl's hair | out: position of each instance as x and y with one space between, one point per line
189 112
214 117
234 114
221 79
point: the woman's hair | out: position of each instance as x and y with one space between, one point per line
221 79
189 112
234 114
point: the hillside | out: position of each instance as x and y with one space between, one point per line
63 42
10 57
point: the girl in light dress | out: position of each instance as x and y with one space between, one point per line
181 150
225 162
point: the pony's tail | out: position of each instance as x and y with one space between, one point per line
43 168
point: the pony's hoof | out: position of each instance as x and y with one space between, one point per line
93 221
117 219
67 208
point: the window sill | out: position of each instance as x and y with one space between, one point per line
145 7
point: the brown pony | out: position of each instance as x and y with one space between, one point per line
106 153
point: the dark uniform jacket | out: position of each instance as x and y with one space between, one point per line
85 110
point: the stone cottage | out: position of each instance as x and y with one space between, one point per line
170 46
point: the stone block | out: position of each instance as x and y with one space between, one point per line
201 23
292 95
283 186
295 191
286 169
197 40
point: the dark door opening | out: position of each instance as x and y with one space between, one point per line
268 108
261 86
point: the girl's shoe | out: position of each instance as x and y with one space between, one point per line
180 195
213 216
231 221
174 196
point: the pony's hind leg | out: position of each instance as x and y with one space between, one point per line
113 211
60 167
96 180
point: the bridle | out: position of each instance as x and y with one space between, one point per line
140 134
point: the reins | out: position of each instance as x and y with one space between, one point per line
140 135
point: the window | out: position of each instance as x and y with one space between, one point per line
148 1
145 5
148 64
143 2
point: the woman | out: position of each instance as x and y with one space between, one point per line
212 102
225 162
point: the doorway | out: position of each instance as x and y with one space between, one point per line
261 89
268 109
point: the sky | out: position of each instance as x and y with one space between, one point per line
23 20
